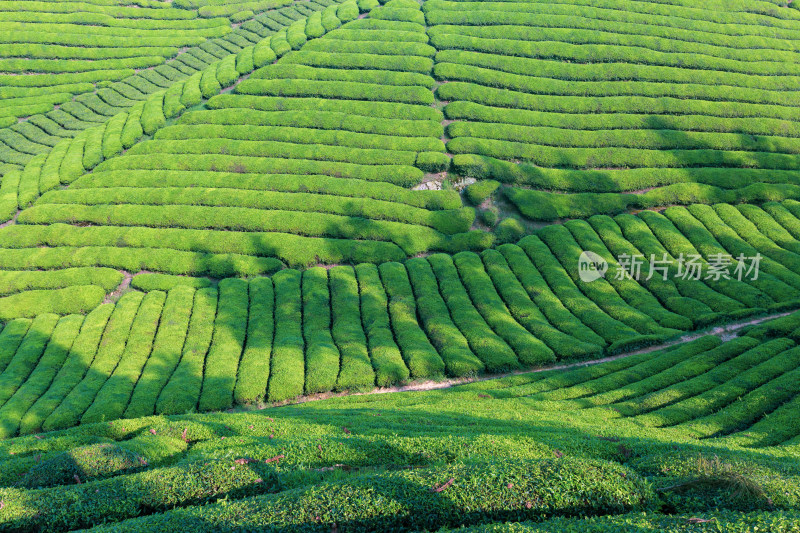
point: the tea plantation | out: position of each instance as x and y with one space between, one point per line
400 265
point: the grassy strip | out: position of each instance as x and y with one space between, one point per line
418 353
383 350
111 349
71 372
728 392
166 352
402 499
356 371
486 344
39 377
287 370
530 350
222 361
610 328
435 316
322 355
113 397
525 311
181 393
251 384
27 355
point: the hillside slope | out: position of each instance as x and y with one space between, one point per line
226 206
704 432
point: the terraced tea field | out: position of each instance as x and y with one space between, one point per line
677 429
580 220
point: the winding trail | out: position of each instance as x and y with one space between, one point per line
726 332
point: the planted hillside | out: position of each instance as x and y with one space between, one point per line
274 339
399 265
342 168
623 105
59 145
614 454
89 64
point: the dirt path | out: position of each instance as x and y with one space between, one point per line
725 332
112 297
12 221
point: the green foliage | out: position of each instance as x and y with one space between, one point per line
112 399
418 353
322 354
112 136
165 282
296 34
226 71
490 216
433 161
372 92
222 361
347 11
241 16
83 464
251 384
279 44
93 149
435 316
521 451
613 488
525 311
367 5
152 117
8 195
545 297
71 372
132 131
509 230
236 8
406 133
312 184
37 380
108 355
73 299
30 183
479 191
529 350
490 348
173 104
287 367
356 370
559 281
209 86
263 54
165 354
50 177
244 61
314 27
26 351
182 391
384 352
